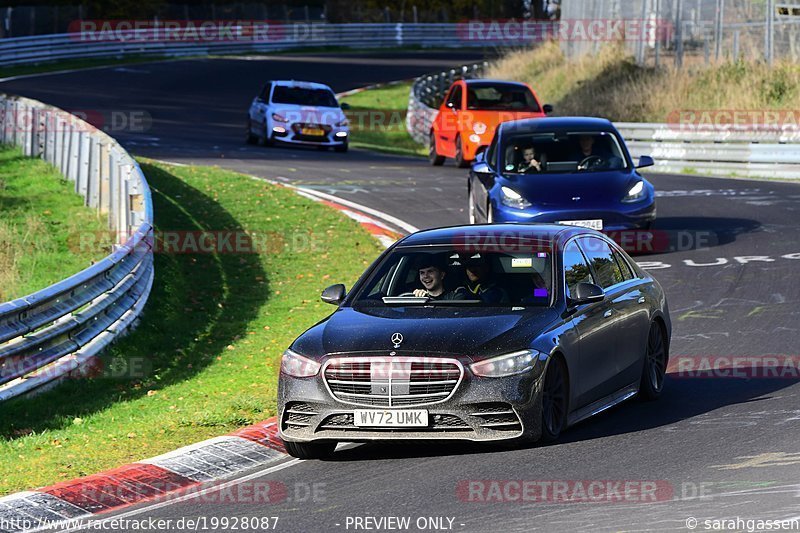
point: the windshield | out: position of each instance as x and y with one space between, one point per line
451 277
549 153
500 97
303 96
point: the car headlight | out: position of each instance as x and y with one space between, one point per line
279 118
506 365
635 193
296 365
342 123
479 128
511 198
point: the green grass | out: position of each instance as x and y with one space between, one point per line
41 223
205 358
74 64
378 120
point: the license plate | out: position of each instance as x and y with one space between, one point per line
591 224
399 418
312 131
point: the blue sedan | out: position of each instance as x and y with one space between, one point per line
567 170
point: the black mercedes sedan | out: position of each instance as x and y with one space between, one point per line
482 333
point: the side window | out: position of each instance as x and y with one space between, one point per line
576 269
601 258
490 153
623 266
455 98
264 94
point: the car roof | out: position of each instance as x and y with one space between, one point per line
300 83
512 236
560 123
477 81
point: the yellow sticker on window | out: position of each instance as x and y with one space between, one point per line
521 262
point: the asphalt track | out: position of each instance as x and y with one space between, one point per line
731 278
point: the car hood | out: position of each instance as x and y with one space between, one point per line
309 114
591 188
472 333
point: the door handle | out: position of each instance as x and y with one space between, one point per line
641 299
607 313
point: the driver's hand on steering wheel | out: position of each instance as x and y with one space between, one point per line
420 293
533 165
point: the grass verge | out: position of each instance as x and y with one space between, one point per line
204 360
378 120
41 219
611 85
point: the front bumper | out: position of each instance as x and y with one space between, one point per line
292 133
480 409
638 215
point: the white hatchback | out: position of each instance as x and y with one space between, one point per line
298 112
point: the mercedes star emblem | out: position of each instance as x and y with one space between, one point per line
397 338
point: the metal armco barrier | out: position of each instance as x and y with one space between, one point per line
36 49
709 150
49 334
718 150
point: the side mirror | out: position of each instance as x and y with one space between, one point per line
334 294
345 106
481 167
547 108
587 293
645 161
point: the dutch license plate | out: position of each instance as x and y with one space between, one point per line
591 224
312 131
399 418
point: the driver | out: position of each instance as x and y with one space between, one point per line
432 272
587 148
529 162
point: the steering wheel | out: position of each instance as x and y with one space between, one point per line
406 295
593 161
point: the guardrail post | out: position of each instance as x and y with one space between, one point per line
104 189
113 191
93 183
82 178
75 153
49 138
66 147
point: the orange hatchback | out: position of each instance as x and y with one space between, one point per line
470 113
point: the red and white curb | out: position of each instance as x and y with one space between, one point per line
170 475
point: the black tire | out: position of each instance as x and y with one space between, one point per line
341 147
310 450
433 156
655 364
268 141
554 400
249 137
460 161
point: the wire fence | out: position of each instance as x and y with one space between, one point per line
681 31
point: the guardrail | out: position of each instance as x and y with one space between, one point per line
716 150
710 150
144 42
49 334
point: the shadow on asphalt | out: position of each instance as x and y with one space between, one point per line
683 399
